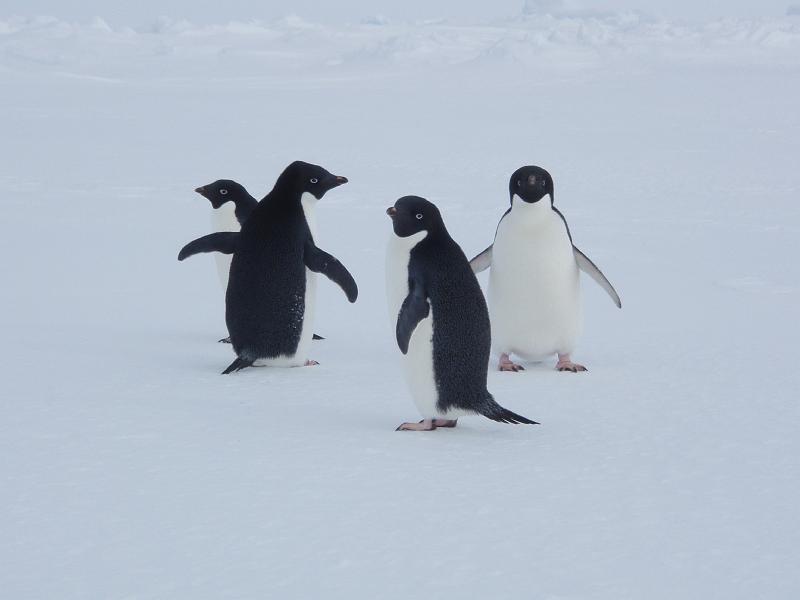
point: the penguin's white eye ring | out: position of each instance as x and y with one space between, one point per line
223 191
419 216
313 180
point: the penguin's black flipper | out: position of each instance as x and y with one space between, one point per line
483 261
317 337
238 365
414 308
320 261
588 267
492 410
222 241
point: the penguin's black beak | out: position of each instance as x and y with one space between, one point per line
391 211
201 190
338 180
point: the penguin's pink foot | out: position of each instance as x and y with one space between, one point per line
424 425
506 364
445 423
565 364
311 363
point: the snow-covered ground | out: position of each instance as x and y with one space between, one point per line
132 469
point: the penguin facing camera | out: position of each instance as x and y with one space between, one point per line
534 285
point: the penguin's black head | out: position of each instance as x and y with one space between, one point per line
531 184
412 214
222 190
302 177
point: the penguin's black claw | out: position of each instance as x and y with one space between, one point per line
571 367
565 364
226 340
506 364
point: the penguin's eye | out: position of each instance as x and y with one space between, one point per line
519 183
419 216
223 191
314 180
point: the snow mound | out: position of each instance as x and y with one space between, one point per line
546 33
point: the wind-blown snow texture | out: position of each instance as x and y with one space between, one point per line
132 469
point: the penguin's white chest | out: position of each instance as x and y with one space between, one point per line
309 204
534 288
418 361
224 219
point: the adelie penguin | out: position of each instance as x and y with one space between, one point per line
224 194
534 286
232 205
269 304
442 323
220 193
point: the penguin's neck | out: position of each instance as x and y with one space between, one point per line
532 214
243 199
309 205
242 203
404 245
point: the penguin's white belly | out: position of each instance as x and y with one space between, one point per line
534 288
224 219
418 361
418 369
307 331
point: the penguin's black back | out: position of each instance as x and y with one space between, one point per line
461 329
265 299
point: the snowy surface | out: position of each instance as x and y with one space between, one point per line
132 469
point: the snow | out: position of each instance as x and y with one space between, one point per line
132 469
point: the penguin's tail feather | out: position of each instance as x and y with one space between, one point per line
238 365
492 410
317 337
